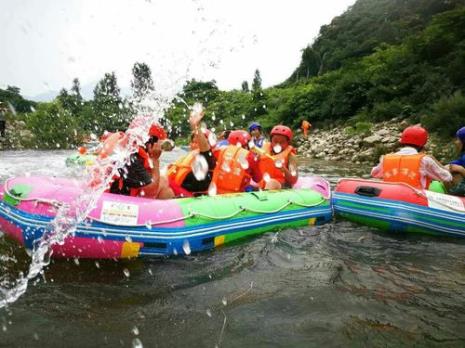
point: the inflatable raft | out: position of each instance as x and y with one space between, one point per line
122 227
399 207
78 159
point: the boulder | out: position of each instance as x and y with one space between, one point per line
375 138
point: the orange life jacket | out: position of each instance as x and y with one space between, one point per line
403 168
178 170
306 124
267 164
229 175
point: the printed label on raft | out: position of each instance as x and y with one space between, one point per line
444 202
118 213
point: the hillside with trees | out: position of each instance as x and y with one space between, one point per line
379 60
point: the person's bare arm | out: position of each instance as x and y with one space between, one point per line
194 120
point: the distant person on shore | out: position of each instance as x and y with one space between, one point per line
2 120
457 167
410 164
255 130
305 128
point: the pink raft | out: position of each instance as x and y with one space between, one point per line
123 227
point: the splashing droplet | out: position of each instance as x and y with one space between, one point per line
225 167
200 167
135 330
137 343
186 247
209 313
277 148
212 189
266 177
224 301
126 273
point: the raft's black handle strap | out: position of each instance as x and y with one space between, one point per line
367 191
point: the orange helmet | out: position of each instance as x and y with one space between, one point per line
239 136
282 130
414 135
157 131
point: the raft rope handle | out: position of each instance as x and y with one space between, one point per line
202 215
191 214
52 202
414 189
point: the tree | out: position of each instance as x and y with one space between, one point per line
257 82
258 97
245 86
76 89
53 126
109 110
142 83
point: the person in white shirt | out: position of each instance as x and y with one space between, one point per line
410 164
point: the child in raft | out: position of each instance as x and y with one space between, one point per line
410 164
277 161
457 167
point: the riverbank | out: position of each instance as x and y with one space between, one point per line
364 142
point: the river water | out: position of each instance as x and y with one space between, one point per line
334 285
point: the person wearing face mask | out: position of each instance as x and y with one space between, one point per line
278 162
236 166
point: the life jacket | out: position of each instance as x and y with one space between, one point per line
148 165
229 176
306 124
267 164
403 168
178 170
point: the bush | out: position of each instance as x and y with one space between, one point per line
448 115
53 127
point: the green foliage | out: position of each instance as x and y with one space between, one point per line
367 25
447 115
110 112
53 126
142 83
11 96
360 128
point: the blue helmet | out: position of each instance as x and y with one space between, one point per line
255 125
461 134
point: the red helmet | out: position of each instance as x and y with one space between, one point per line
157 131
239 136
414 135
282 130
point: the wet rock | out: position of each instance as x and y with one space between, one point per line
372 139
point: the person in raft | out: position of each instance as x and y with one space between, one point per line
236 166
278 162
141 177
255 130
410 164
457 167
192 174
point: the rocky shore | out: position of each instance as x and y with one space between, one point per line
362 143
17 136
